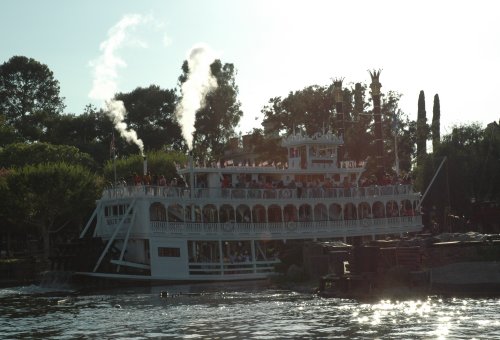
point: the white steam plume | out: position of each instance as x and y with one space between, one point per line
200 81
105 73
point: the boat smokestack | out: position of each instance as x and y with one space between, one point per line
145 166
377 116
191 174
339 108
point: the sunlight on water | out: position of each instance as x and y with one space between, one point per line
237 312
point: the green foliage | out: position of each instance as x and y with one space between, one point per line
21 154
51 196
471 172
29 96
8 134
151 113
216 121
159 163
422 129
311 110
436 124
308 109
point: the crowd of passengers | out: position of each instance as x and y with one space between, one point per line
160 180
372 180
151 180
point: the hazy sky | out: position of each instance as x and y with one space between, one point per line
447 47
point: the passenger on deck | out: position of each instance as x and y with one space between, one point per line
162 181
137 179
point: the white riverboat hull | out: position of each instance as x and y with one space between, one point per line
236 222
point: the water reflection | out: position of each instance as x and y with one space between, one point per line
237 311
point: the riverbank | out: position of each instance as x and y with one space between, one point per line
18 271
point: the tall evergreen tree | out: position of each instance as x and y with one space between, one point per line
422 129
436 125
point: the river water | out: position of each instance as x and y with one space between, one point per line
237 311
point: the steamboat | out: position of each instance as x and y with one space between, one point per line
232 221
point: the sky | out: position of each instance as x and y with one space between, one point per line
449 48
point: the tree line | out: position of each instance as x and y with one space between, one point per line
54 164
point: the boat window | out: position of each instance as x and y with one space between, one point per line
116 210
157 212
169 252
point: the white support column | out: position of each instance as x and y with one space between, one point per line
113 236
94 215
221 258
125 241
254 258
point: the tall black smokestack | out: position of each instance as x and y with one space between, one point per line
377 116
339 107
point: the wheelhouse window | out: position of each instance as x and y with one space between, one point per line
116 210
169 252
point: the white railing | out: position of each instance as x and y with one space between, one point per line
254 193
230 268
279 230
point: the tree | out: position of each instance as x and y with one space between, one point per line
151 113
29 96
436 125
311 110
8 134
215 123
158 162
465 160
90 132
489 187
422 129
51 197
18 155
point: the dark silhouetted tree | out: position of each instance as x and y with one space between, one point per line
436 124
29 96
422 129
151 113
215 123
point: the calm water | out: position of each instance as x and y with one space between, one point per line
243 311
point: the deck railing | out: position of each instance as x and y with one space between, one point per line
254 193
278 230
225 268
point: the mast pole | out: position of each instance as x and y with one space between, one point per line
113 149
430 184
339 107
377 116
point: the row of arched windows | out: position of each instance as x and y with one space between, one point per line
210 213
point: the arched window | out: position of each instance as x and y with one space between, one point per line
274 213
305 213
259 214
157 212
226 213
290 213
406 208
243 214
391 209
378 210
175 213
350 212
335 212
364 210
320 213
210 214
197 213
